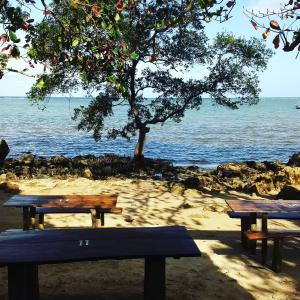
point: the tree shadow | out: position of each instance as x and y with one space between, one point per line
224 271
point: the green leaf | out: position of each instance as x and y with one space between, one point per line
13 36
40 83
117 17
75 43
103 25
133 55
31 53
15 52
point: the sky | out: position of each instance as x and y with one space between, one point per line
279 80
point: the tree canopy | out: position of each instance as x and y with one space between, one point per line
119 50
13 18
283 24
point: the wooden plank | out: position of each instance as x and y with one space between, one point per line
63 201
268 206
286 216
272 234
53 246
155 278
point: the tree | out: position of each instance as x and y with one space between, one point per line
286 34
120 50
14 18
16 15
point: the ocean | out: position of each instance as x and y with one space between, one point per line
210 136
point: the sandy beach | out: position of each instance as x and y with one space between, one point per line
224 271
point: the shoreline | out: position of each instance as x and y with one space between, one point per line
260 178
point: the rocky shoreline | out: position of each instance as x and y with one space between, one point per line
261 178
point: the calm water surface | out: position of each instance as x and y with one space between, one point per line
210 136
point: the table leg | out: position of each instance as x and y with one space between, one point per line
26 218
41 221
264 242
99 218
253 227
23 282
277 255
245 226
102 218
155 279
93 215
32 212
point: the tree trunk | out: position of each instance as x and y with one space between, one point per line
139 148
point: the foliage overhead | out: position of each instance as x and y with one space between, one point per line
17 25
13 44
282 23
119 50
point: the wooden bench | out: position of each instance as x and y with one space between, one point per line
23 251
277 236
247 220
96 215
40 205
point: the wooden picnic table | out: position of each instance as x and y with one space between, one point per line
23 251
262 207
96 204
265 206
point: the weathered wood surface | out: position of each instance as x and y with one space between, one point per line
70 245
285 216
63 201
259 235
46 210
265 206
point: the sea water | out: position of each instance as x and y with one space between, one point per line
212 135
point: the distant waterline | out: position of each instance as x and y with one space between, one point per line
269 131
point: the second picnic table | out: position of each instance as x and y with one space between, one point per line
262 208
32 205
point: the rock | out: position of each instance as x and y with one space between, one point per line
185 206
4 149
275 166
87 173
9 187
256 165
177 189
234 170
27 159
289 192
59 160
128 219
11 176
294 160
192 182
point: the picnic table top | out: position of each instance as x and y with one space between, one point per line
63 201
69 245
265 206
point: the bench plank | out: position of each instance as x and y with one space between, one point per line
258 235
66 201
287 216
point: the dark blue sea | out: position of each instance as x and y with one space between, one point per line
213 135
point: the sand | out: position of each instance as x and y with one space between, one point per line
225 271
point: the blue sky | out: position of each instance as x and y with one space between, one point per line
279 80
